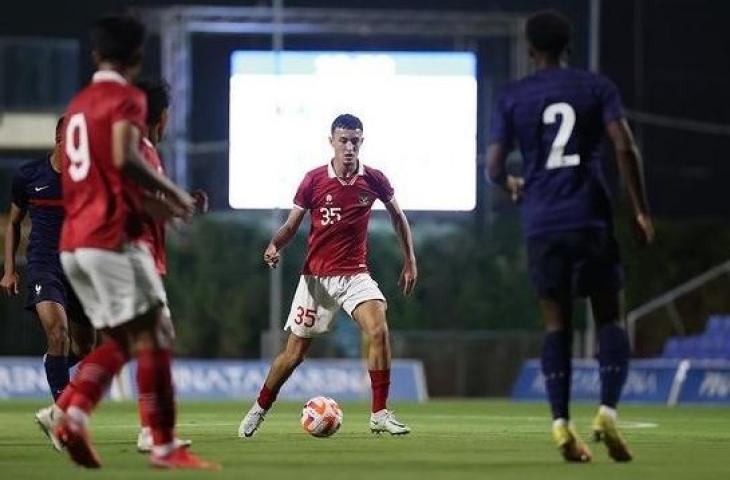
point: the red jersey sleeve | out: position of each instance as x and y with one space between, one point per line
132 108
303 197
381 185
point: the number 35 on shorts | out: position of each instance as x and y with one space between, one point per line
305 317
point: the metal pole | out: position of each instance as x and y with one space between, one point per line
275 279
594 61
275 289
638 67
277 39
589 340
176 69
594 40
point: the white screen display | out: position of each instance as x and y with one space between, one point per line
419 123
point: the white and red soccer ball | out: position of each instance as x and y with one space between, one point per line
321 417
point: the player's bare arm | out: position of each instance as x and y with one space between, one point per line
156 206
629 163
409 274
154 203
497 172
283 236
126 156
11 281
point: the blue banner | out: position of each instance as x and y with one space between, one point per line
235 380
339 379
22 377
706 382
648 381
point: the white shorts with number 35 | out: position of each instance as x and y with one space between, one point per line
318 299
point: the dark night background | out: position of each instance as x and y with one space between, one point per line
668 57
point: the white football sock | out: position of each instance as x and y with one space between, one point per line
560 422
78 416
609 412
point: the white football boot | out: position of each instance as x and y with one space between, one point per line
145 442
47 419
385 421
252 421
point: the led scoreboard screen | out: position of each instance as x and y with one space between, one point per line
418 110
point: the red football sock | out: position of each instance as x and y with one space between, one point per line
380 384
144 420
142 409
64 400
95 375
156 394
267 397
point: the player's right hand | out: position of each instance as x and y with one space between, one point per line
272 256
184 204
201 200
645 227
515 186
10 284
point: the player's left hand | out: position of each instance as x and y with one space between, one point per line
272 256
408 276
10 283
515 187
181 203
645 228
201 200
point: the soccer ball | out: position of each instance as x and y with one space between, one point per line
321 417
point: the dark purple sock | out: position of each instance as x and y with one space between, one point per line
72 360
613 360
556 368
56 373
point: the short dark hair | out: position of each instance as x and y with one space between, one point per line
549 32
346 121
158 98
119 39
59 126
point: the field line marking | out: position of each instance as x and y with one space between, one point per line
630 424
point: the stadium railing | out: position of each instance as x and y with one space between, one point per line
667 303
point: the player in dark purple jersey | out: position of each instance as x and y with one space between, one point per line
558 117
36 190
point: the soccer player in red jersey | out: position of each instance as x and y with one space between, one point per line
158 104
338 197
112 272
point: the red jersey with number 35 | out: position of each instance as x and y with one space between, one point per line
153 229
101 211
340 211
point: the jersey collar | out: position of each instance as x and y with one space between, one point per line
332 174
108 76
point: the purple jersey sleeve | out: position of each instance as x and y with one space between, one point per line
611 100
501 129
19 195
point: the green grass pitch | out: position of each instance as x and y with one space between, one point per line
450 439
